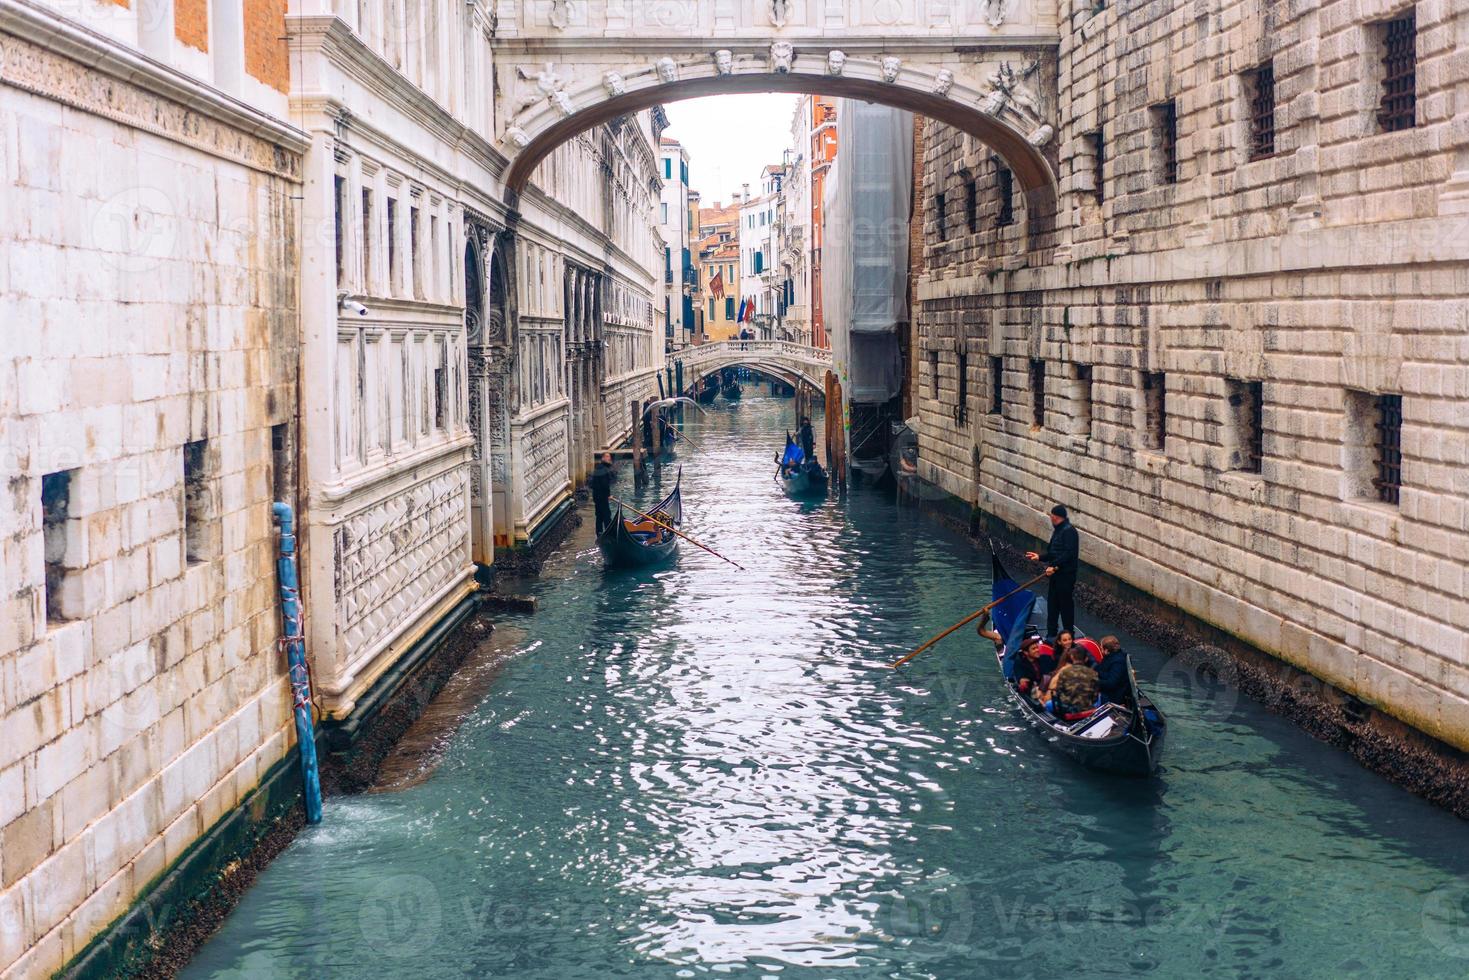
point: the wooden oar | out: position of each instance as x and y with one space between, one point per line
675 530
678 432
966 620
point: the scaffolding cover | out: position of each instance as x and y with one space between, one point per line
864 254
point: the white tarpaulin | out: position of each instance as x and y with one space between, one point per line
864 254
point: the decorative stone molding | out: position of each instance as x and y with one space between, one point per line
517 137
778 13
724 61
781 55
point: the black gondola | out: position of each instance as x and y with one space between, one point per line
732 391
708 391
804 479
1113 738
638 542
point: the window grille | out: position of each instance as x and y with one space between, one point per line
1399 74
1262 111
1388 448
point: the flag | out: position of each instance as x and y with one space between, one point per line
716 286
741 317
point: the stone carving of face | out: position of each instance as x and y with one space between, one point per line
781 53
613 82
724 61
943 82
667 70
891 65
835 62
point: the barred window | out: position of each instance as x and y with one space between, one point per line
1082 419
1099 159
1006 183
1038 392
1165 125
961 406
1388 448
1155 410
971 205
997 386
1398 106
1247 424
1260 89
933 373
940 203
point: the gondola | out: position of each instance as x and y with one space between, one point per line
707 392
799 477
637 542
732 391
1113 738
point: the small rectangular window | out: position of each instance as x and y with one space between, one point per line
1398 105
971 205
667 168
393 270
1373 440
367 241
1165 129
729 308
997 385
414 259
198 505
938 216
961 405
1082 419
56 533
1038 392
933 373
1096 141
1260 91
1388 448
1155 410
1246 406
1005 181
339 204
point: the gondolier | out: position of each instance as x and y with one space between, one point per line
601 481
1062 557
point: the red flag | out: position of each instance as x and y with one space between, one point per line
716 285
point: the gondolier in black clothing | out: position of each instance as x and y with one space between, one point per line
807 439
1062 558
602 477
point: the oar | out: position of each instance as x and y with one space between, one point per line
966 620
675 530
679 432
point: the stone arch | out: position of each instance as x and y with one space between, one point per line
1004 118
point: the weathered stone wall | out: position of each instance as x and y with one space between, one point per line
1339 264
149 359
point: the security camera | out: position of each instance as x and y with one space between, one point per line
347 304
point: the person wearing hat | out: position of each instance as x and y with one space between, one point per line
1034 666
1062 557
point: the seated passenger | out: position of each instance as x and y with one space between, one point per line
1076 656
1034 665
1064 642
1112 672
1074 692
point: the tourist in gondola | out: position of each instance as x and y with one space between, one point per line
1073 693
1112 672
1062 558
1065 642
1034 666
601 481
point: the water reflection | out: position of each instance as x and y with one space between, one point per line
699 769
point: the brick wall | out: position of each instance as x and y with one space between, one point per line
1337 264
265 43
191 23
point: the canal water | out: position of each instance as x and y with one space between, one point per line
702 771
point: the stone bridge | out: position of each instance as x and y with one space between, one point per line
983 66
792 363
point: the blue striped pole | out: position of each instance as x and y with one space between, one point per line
295 643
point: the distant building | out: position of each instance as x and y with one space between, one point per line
719 270
759 245
675 225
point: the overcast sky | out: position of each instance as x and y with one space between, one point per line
730 139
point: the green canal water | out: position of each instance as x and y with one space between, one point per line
700 771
